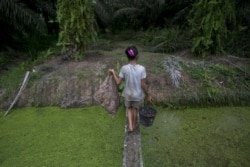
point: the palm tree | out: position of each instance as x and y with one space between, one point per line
243 12
115 14
23 18
209 21
20 16
77 31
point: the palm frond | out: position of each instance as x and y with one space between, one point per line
47 7
17 13
243 11
173 69
103 11
131 11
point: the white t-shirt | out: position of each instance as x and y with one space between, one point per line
132 74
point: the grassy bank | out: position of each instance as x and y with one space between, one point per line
177 79
198 137
56 137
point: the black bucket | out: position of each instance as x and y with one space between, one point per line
147 115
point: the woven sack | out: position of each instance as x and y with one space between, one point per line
107 95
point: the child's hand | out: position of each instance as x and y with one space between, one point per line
149 98
111 71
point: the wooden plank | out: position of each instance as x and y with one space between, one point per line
132 153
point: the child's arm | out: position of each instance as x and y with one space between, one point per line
145 89
118 80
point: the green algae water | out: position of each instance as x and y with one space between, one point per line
209 137
39 137
89 137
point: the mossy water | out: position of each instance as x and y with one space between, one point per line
201 137
88 136
61 137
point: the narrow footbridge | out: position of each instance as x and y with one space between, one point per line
132 153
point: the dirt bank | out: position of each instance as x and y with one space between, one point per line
69 83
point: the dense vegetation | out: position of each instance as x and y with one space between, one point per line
76 22
36 29
216 26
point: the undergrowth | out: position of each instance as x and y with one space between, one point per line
213 84
167 40
11 81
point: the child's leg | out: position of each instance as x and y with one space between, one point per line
130 118
134 111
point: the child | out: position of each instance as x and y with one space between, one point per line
134 76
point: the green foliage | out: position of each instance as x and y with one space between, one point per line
176 12
12 80
209 19
3 60
216 84
19 16
238 42
13 77
76 22
45 54
243 12
166 40
52 136
22 19
116 15
36 45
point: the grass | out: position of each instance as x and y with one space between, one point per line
213 83
61 137
201 137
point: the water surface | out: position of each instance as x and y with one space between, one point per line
198 137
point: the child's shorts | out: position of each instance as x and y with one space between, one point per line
135 104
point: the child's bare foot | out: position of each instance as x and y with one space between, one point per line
130 128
